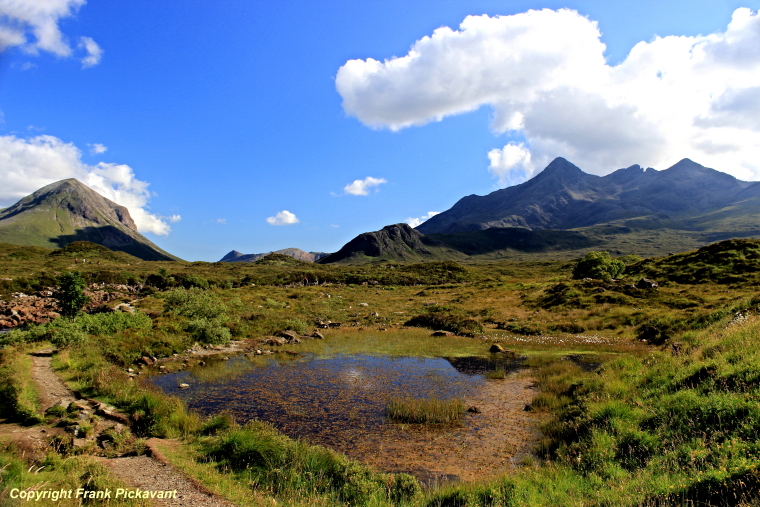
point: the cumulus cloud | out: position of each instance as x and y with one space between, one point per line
283 217
173 218
94 52
414 222
362 187
545 77
97 148
40 18
221 220
29 164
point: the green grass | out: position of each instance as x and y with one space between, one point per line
424 411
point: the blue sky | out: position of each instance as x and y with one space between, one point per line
208 118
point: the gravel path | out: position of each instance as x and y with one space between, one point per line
52 389
150 475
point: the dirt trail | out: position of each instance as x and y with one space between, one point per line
149 473
51 389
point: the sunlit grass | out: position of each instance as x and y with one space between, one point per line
424 411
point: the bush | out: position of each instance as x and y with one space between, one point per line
598 265
70 293
209 331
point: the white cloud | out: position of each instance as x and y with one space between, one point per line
414 222
39 18
29 164
544 75
173 218
361 187
284 217
221 220
97 148
94 52
513 159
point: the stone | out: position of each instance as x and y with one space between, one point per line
496 348
318 335
473 410
646 283
184 386
146 361
289 335
441 333
274 340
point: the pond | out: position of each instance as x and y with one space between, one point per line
339 402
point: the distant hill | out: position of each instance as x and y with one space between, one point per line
235 256
67 211
562 196
397 242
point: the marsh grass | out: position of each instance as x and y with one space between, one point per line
424 411
496 374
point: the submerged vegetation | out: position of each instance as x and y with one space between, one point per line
648 393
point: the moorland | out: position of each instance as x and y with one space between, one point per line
643 389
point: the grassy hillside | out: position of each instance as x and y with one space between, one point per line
648 396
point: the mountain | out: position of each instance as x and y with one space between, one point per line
397 242
235 256
68 211
563 213
564 197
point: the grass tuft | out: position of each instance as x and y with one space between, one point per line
424 411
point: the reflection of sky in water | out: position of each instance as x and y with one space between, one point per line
320 396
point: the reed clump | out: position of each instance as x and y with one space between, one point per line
424 411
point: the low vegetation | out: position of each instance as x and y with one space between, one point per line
424 411
648 395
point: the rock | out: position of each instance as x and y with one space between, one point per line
646 283
184 386
442 333
334 324
274 340
473 410
258 352
202 363
146 361
318 335
676 349
363 304
130 370
289 335
162 368
496 348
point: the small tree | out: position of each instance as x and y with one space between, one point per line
70 293
598 265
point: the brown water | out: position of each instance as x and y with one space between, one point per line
339 402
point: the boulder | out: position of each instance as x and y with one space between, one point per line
275 340
441 333
496 348
318 335
646 283
289 335
473 410
146 361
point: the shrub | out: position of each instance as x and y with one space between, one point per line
209 331
70 293
598 265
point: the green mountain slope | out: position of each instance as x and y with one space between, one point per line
68 211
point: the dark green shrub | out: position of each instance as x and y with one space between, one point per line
598 265
70 293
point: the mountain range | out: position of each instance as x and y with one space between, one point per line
296 253
564 197
68 211
560 213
